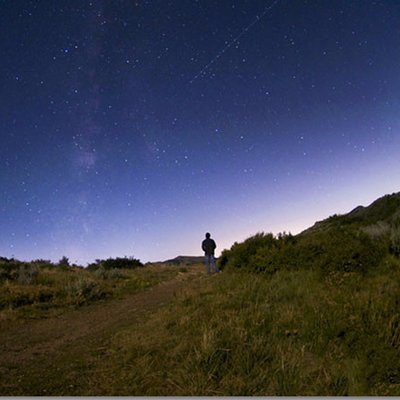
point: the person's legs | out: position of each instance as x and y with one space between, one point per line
214 264
207 261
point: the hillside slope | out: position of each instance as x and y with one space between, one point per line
380 218
357 241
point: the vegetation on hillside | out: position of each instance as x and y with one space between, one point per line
116 263
290 333
337 249
38 287
358 241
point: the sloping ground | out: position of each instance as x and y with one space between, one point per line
384 211
53 356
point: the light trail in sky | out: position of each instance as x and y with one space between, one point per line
234 40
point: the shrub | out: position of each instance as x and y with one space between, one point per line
336 249
83 290
103 273
8 268
26 274
4 274
14 296
41 263
116 263
241 254
341 249
64 262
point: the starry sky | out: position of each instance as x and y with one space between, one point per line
131 128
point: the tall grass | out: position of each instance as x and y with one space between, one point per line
293 333
32 289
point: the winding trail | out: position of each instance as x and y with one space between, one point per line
30 350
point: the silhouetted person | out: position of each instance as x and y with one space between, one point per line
208 245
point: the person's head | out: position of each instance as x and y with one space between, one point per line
208 235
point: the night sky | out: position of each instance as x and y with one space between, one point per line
131 128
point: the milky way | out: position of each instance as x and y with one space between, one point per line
132 128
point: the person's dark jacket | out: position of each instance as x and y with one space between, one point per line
208 246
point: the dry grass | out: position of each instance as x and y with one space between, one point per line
243 334
38 291
237 333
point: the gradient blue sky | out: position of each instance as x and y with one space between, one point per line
134 127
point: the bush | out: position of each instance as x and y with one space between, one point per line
64 262
341 249
9 268
41 263
116 263
26 274
14 296
241 255
337 249
103 273
83 290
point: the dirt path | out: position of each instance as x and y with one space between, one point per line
28 347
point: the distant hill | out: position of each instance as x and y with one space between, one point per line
358 241
187 260
183 260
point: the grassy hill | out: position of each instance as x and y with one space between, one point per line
384 212
184 260
311 314
358 241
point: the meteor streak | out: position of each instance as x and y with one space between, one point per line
233 41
